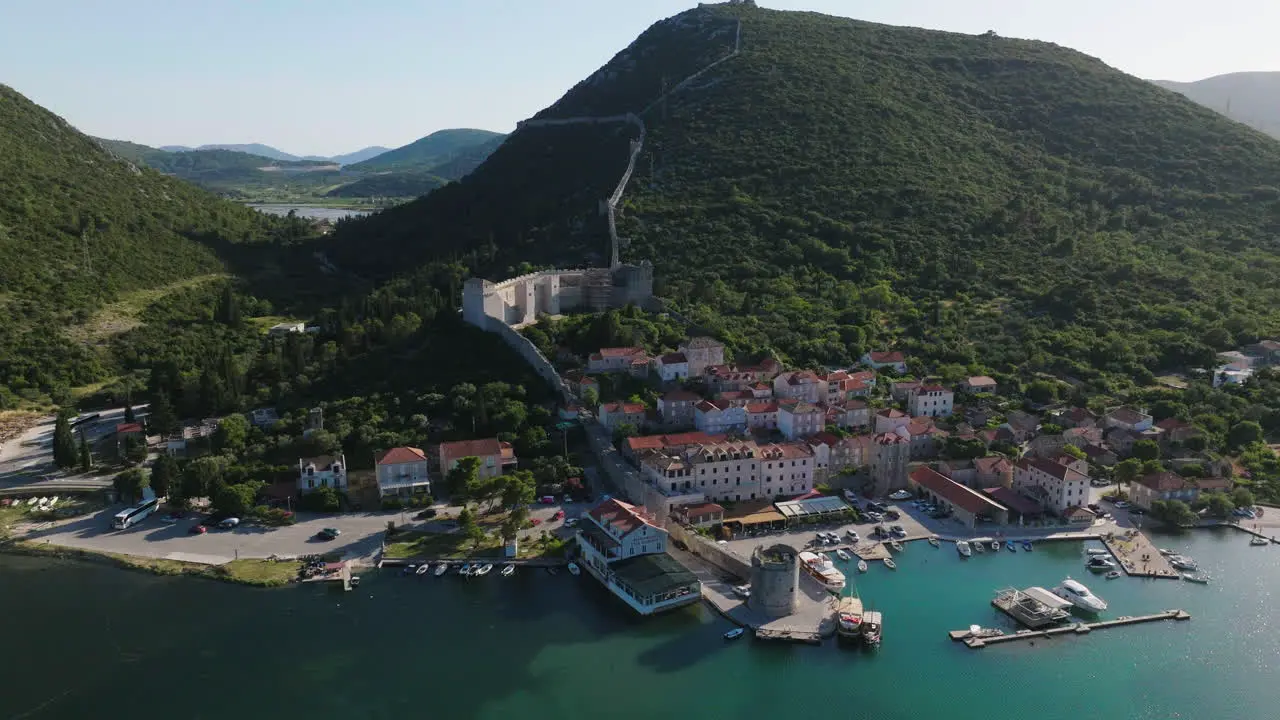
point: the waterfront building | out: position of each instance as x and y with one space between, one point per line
1172 486
402 471
626 551
1054 485
965 504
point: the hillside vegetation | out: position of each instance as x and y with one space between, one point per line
1252 98
80 227
842 185
427 152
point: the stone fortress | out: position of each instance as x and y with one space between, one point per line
519 301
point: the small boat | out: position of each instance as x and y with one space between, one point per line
1165 551
889 563
1182 562
897 546
862 566
508 570
41 503
465 570
995 545
1113 575
355 581
482 570
441 569
871 630
1099 551
979 547
573 568
842 555
734 634
1010 546
1258 541
963 548
423 568
53 501
1101 562
1196 577
1026 545
31 501
977 631
933 541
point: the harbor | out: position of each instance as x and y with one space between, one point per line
1138 556
978 639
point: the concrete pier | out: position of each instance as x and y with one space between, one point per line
1138 556
1080 628
1269 538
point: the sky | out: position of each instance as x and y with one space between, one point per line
331 76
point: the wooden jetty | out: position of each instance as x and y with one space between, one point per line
1079 628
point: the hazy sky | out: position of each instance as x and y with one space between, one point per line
331 76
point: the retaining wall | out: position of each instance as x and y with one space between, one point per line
710 552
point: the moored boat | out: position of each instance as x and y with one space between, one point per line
889 563
963 548
1077 594
849 617
1113 575
1259 541
871 628
823 570
734 634
862 566
1098 551
441 569
1101 562
1010 546
573 568
482 570
423 568
1026 545
1196 577
897 546
1182 562
995 545
934 541
409 569
465 570
508 569
842 555
979 547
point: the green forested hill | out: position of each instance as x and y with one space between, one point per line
842 185
80 227
427 152
405 183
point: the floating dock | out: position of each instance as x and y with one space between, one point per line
1080 628
1028 610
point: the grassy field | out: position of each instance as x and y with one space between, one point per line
259 573
124 314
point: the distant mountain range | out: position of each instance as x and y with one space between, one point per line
267 151
1252 98
433 150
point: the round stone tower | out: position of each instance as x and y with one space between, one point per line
775 574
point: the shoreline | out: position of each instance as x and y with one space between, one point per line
239 574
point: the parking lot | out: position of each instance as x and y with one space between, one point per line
911 520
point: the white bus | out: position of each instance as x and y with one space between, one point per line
135 514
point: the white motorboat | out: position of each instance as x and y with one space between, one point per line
1113 575
54 501
979 547
823 570
1098 551
1079 595
1256 541
995 545
1101 562
482 570
1196 577
963 548
441 569
31 501
933 541
862 566
842 555
1182 562
889 563
1165 552
574 569
508 569
423 568
897 546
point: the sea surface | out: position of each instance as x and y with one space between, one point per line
315 212
86 640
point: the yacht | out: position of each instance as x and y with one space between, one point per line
933 541
849 617
1080 596
823 570
1196 577
1099 551
842 555
963 548
1101 562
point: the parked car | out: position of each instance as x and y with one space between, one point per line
742 591
229 523
874 516
571 522
1135 510
900 495
547 500
329 533
1095 507
1121 504
198 530
852 535
425 514
559 515
892 514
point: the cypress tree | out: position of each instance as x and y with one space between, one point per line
86 458
64 443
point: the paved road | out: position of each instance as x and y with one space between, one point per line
25 459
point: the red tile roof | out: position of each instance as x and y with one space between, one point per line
699 509
980 381
890 439
762 407
1173 424
656 442
825 438
621 516
619 352
993 464
891 413
398 455
469 448
932 388
624 408
1127 415
887 357
953 492
673 359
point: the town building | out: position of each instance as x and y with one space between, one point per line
926 439
633 446
762 415
786 469
702 352
1023 426
1076 417
894 360
671 367
719 418
843 385
1053 485
834 456
322 471
800 385
1177 431
1267 352
402 471
890 419
287 328
579 383
612 415
626 551
966 505
676 407
978 384
700 515
848 414
931 400
798 419
901 390
495 456
631 360
1127 418
993 471
521 300
191 437
890 455
1172 486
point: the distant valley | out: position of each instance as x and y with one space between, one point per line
372 176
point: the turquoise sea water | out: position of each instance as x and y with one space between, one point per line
84 640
